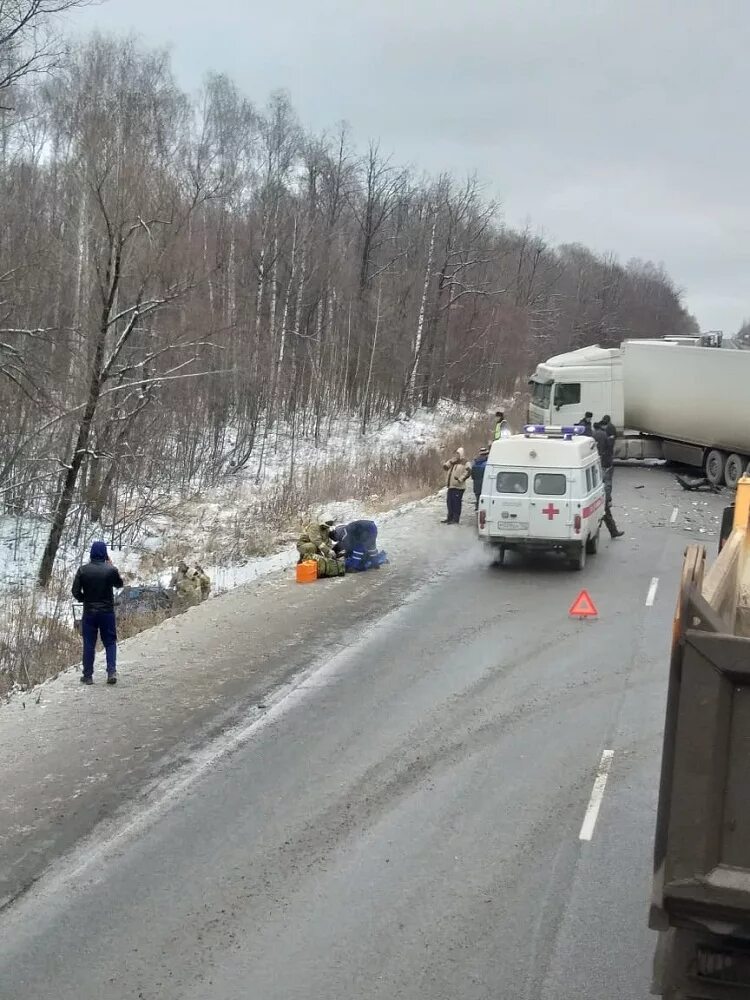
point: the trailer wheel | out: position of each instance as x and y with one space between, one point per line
734 469
715 467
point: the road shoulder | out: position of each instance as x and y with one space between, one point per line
73 756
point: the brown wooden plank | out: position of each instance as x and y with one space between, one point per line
721 582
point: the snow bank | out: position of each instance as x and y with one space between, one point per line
213 527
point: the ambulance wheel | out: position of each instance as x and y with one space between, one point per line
592 543
578 559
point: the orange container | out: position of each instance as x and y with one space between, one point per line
307 571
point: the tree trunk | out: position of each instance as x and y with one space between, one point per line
366 400
420 321
69 484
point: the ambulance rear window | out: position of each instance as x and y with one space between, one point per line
550 484
512 482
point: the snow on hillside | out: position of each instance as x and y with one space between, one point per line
234 527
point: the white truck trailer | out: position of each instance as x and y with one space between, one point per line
671 400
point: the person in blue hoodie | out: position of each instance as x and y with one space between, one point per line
358 543
94 585
477 473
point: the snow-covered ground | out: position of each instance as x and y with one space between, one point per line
238 528
221 528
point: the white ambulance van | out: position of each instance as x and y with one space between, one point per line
543 489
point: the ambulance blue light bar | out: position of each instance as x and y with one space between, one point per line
540 430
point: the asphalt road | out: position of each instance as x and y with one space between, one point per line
406 821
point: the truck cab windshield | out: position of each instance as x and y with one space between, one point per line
541 394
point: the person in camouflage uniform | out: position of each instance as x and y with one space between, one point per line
204 580
315 543
190 584
306 548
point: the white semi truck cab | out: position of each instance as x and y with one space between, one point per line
568 385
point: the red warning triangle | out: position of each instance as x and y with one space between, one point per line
583 606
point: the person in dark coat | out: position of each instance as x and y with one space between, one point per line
359 536
94 585
477 473
605 445
586 423
609 428
357 544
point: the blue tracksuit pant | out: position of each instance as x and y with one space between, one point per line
93 625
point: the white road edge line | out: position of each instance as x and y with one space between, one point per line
651 595
597 794
675 512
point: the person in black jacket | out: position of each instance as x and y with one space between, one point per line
609 428
605 444
477 474
94 585
356 536
585 422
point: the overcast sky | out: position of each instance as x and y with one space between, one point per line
622 124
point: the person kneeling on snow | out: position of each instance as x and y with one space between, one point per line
316 544
315 540
358 543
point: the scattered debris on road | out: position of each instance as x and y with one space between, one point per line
697 485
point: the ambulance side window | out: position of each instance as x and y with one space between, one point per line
512 482
589 478
595 473
550 484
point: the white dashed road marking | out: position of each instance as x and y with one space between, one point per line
675 512
597 794
651 595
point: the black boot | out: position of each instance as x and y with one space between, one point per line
611 526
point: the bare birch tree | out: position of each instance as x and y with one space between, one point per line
28 42
183 283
